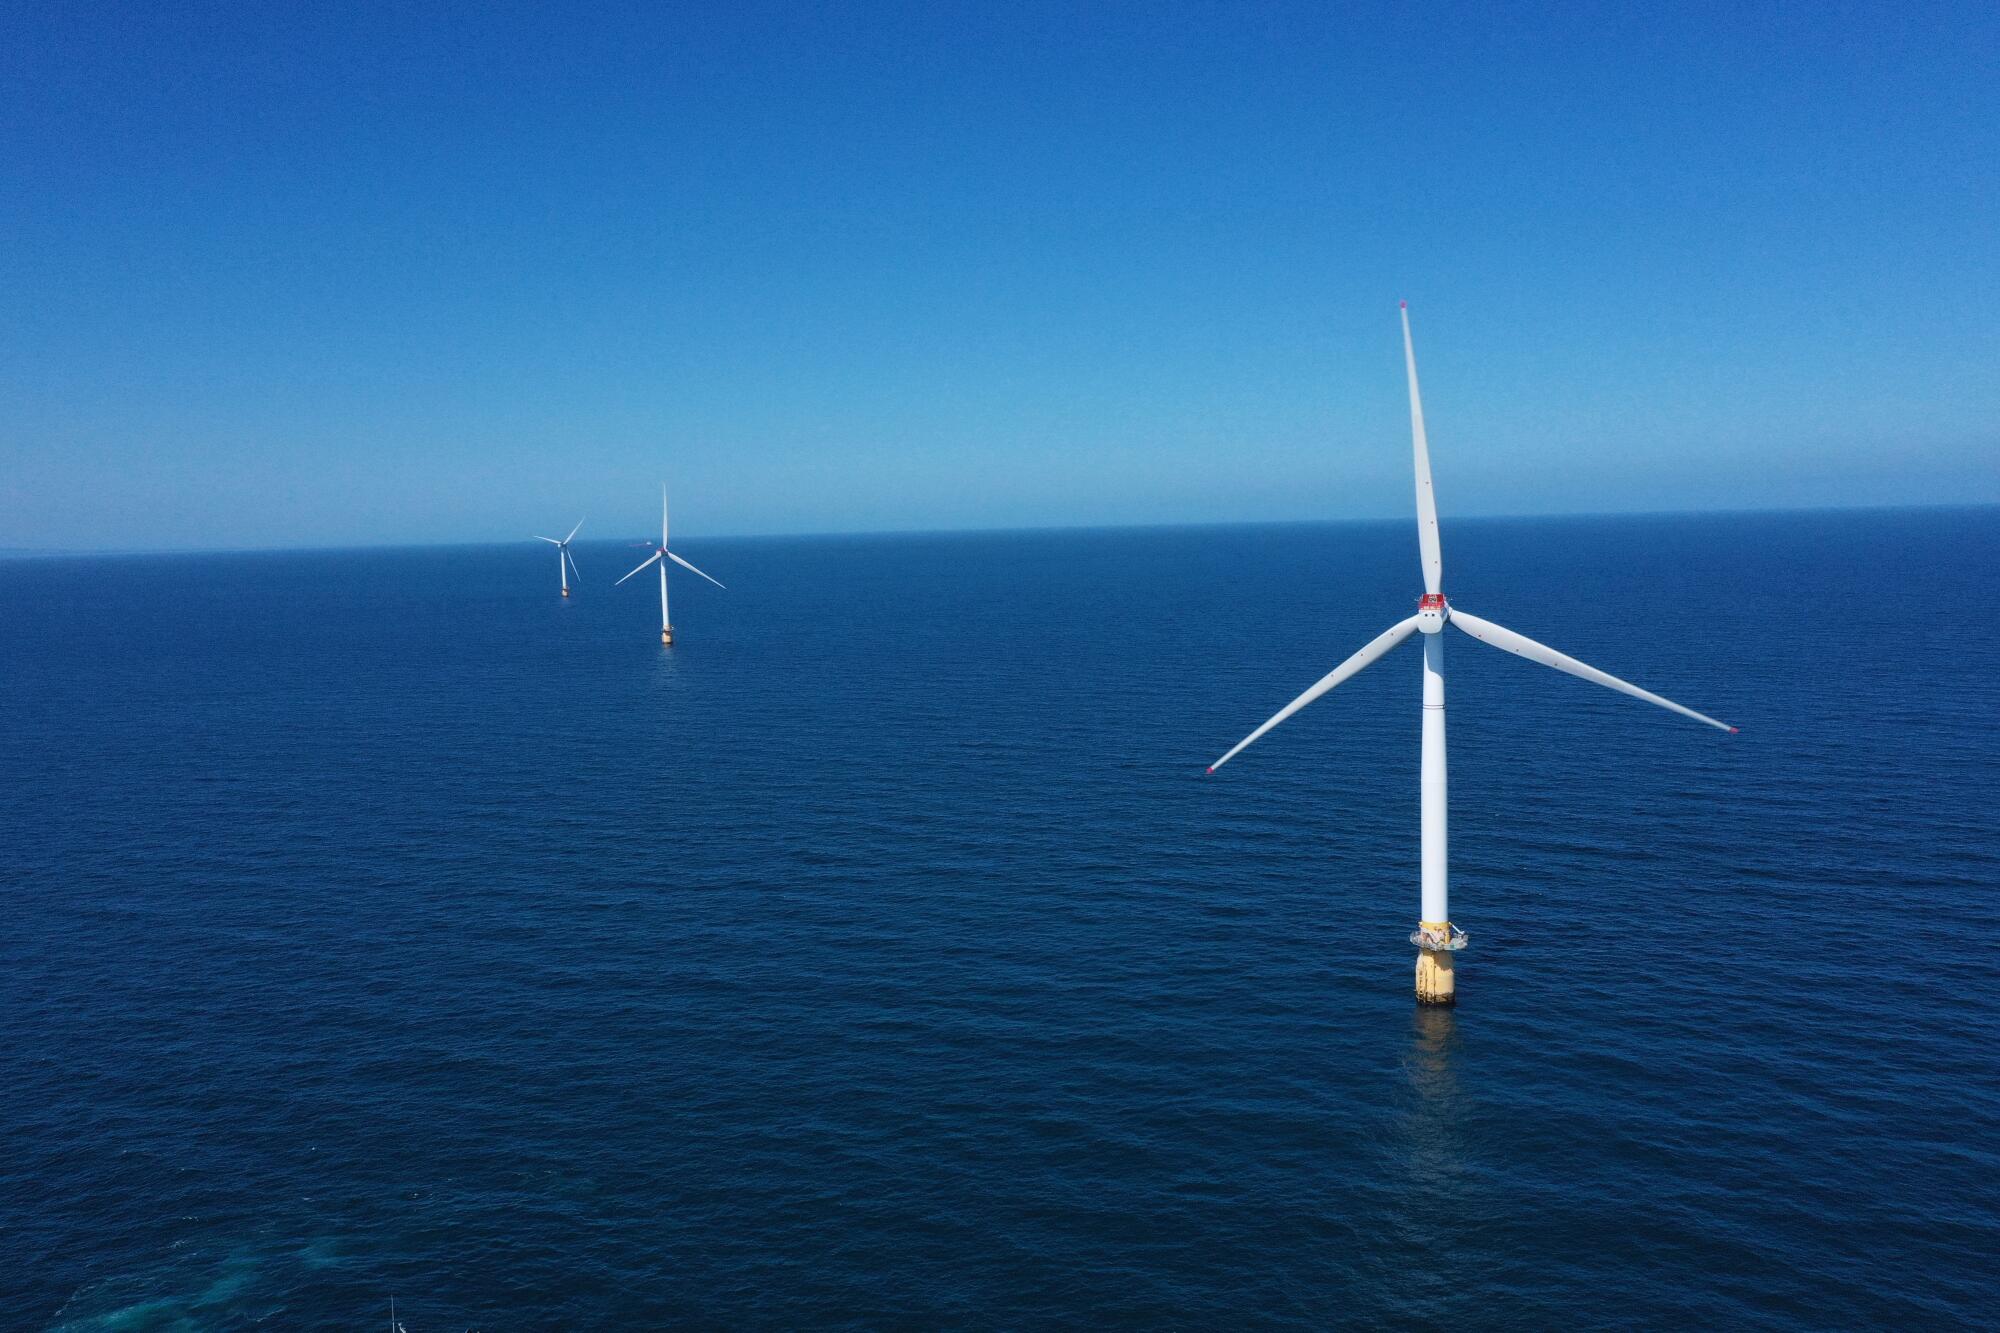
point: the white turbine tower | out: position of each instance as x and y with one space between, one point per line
565 562
662 556
1435 937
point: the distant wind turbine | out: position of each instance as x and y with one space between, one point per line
565 562
662 556
1436 938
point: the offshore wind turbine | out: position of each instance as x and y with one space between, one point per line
1436 938
662 556
565 562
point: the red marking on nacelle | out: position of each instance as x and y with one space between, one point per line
1431 601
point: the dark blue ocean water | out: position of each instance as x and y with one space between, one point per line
377 923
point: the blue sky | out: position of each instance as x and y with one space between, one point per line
276 276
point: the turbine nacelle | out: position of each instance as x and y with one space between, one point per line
1432 613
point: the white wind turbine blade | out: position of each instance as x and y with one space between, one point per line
572 533
642 564
550 540
572 564
685 565
1427 509
1375 647
663 516
1522 646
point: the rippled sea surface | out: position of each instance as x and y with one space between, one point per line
377 923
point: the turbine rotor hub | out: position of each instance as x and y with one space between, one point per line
1432 612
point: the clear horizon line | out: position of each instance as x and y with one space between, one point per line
46 552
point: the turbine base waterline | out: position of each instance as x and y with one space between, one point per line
1435 985
667 634
1436 942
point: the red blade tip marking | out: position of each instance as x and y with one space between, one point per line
1733 730
1211 770
1402 305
